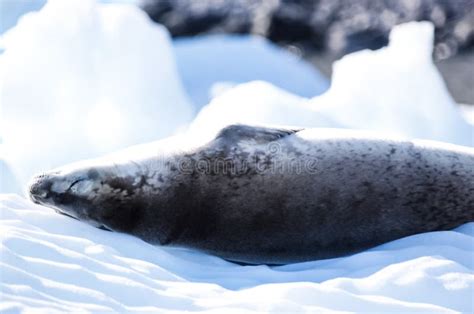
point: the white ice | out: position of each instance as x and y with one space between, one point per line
204 61
396 90
63 70
80 79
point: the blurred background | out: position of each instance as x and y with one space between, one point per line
320 31
324 30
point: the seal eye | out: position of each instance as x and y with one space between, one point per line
74 183
80 186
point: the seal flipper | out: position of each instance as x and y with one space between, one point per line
238 132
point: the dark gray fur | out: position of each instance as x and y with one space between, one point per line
360 192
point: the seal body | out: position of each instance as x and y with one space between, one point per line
266 195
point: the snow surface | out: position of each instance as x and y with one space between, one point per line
52 262
111 61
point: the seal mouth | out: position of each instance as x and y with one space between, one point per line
99 225
65 214
91 222
103 227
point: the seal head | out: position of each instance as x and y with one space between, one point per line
99 196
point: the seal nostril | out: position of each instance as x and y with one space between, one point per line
40 188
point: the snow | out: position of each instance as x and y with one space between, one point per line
411 98
53 262
468 112
80 79
89 83
207 60
395 91
12 10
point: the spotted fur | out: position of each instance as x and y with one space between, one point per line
250 201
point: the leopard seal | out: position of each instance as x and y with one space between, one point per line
270 195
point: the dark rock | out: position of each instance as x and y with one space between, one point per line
335 26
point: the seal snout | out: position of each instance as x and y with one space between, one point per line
40 188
